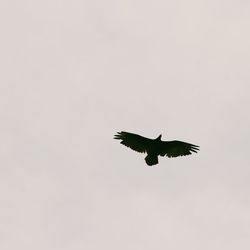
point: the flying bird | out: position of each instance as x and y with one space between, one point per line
155 147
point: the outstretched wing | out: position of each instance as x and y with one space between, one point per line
177 148
134 141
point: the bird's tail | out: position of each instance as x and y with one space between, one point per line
151 160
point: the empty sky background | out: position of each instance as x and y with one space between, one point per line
75 72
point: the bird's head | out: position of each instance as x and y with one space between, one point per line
158 138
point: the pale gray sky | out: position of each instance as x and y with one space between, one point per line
75 72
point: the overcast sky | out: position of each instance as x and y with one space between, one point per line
75 72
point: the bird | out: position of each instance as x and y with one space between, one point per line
155 147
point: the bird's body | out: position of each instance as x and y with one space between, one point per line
155 147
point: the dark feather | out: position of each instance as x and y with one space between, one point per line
177 148
133 141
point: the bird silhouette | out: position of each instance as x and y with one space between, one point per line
155 147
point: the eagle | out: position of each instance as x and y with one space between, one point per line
155 147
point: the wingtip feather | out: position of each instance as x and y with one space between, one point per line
118 135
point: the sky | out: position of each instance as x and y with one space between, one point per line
73 73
